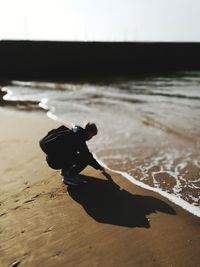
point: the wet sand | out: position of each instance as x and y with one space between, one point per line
108 222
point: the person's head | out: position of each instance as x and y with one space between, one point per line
90 129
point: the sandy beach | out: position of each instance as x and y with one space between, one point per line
104 223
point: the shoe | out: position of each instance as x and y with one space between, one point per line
71 181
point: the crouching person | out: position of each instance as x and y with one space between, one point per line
66 149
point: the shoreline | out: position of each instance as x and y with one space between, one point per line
39 106
194 210
44 223
34 106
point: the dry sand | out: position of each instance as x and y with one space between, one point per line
103 223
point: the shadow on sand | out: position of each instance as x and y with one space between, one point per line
104 201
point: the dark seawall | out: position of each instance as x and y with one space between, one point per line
74 60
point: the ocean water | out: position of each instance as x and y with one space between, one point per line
149 128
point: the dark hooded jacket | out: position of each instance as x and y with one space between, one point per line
74 147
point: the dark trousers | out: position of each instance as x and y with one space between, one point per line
72 165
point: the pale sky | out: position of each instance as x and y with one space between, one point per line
100 20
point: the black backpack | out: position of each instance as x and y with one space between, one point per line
56 141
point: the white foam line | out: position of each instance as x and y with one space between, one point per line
50 110
8 95
180 202
54 117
